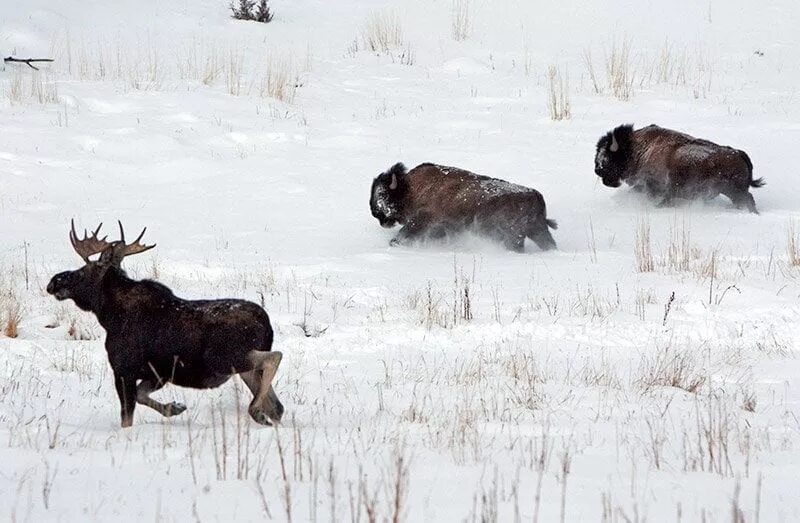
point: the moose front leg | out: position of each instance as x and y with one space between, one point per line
147 387
126 390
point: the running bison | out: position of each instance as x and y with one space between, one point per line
668 164
154 338
433 201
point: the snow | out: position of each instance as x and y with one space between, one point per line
477 400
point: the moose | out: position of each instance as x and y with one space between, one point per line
434 200
154 338
668 164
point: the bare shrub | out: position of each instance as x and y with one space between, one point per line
642 248
460 19
558 95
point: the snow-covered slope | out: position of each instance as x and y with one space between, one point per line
440 382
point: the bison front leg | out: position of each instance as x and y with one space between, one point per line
412 230
265 405
125 384
147 387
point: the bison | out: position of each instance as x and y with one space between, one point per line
433 200
668 164
154 338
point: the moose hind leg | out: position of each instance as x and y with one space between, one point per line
147 387
265 405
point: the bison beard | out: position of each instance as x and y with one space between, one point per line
434 201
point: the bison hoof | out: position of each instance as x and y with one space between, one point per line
175 408
394 242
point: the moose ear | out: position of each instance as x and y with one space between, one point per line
393 184
614 145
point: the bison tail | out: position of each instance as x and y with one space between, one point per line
554 224
758 182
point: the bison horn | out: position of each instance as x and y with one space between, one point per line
393 185
614 145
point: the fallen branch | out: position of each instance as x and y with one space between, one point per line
26 61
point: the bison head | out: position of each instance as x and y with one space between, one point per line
613 152
385 200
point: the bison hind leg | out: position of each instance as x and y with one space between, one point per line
742 199
539 232
748 202
515 243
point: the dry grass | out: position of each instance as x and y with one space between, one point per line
620 71
558 102
280 80
668 65
589 63
382 32
10 313
642 248
460 19
141 65
793 245
669 367
679 253
37 86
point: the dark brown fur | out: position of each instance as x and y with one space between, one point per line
433 200
154 338
669 164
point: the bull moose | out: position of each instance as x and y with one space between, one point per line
154 338
431 201
668 164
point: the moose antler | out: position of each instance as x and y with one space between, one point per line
89 245
123 249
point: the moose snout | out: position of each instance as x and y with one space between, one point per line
56 286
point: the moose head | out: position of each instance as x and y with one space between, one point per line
83 285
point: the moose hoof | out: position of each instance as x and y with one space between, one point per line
175 408
261 417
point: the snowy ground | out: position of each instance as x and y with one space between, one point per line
558 385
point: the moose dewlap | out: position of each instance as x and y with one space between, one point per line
154 338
